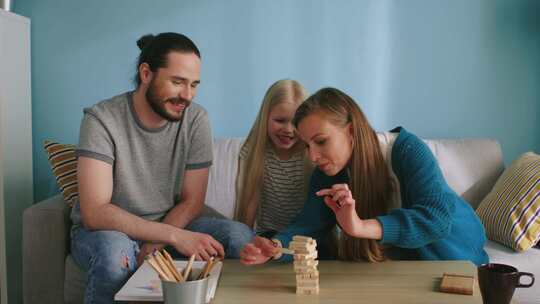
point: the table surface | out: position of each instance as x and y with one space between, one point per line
344 282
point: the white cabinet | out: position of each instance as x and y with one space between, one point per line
16 191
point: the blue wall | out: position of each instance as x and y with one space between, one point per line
443 69
440 68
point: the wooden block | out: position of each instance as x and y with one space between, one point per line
302 238
306 256
311 275
304 250
302 244
311 279
302 263
312 265
305 269
299 245
308 283
456 283
307 291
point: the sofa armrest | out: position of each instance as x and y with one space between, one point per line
45 240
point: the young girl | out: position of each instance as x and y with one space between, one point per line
352 187
273 170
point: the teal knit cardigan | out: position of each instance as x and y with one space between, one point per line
433 223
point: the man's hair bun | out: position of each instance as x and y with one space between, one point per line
145 40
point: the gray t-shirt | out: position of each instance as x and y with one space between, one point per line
148 164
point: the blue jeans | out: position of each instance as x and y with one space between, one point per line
110 257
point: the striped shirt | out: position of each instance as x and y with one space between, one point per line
283 191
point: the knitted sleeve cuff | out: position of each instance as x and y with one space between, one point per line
391 228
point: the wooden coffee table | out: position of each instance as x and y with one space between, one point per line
344 282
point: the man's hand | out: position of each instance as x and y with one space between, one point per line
146 249
203 246
258 252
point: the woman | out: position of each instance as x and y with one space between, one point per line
352 187
273 170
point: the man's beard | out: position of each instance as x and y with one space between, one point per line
158 105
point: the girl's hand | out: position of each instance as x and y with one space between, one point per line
258 252
339 198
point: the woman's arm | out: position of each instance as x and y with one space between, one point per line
314 220
427 201
340 200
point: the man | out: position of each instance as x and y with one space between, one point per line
143 160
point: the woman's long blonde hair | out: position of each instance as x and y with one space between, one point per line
369 178
284 90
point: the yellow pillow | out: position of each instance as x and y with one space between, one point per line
64 166
511 211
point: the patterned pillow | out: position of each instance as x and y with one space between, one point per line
511 211
64 166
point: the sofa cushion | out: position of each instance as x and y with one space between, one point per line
45 242
221 193
470 166
64 166
511 211
75 282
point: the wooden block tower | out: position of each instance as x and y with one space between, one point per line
305 265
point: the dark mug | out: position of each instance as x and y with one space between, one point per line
498 282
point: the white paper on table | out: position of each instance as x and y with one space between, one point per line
145 285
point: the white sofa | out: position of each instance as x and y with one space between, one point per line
471 167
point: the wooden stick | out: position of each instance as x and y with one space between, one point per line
286 251
168 266
170 261
154 265
210 268
206 269
203 270
161 263
188 267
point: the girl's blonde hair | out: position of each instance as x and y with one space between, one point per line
284 90
369 178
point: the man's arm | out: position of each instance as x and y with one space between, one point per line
192 198
98 213
191 202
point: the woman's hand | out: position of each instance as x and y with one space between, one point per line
258 252
339 198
